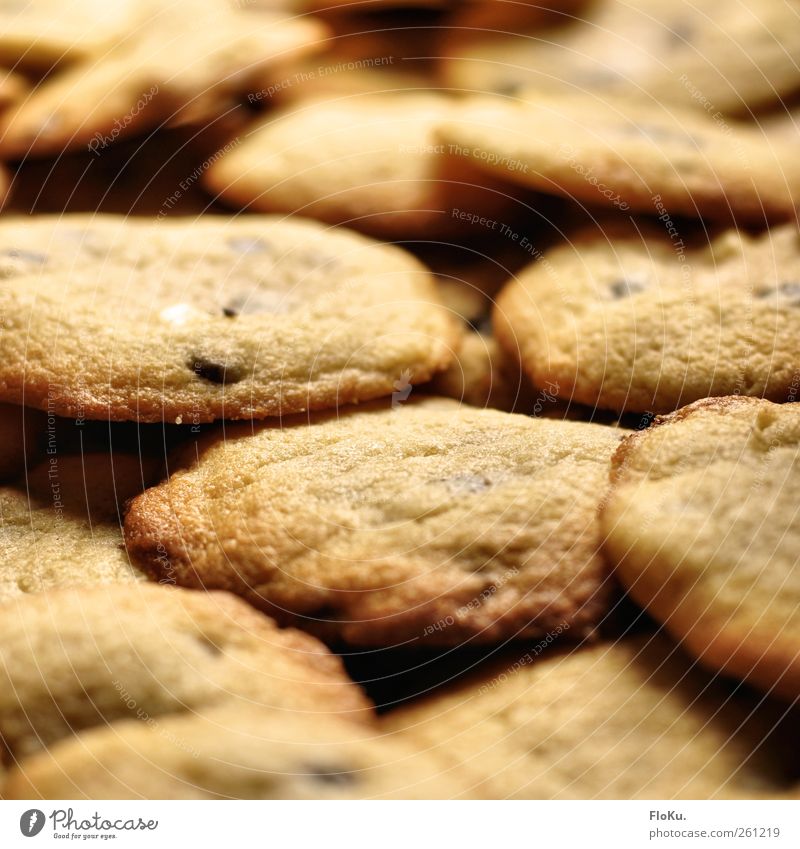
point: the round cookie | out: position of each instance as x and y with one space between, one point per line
75 659
716 57
234 753
41 33
628 720
627 156
155 76
421 521
61 525
702 524
367 161
649 322
194 320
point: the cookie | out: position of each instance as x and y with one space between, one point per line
75 659
60 525
234 753
194 320
628 156
43 33
702 525
368 162
629 720
154 77
716 58
650 321
417 521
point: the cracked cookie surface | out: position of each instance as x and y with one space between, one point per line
647 323
195 320
426 522
702 524
77 658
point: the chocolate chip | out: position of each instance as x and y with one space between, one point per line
331 775
625 287
787 291
681 33
508 88
215 372
466 483
27 256
277 303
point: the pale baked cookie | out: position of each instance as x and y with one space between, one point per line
235 752
629 720
650 322
74 659
61 524
41 33
627 156
716 56
419 521
186 62
193 320
369 162
704 526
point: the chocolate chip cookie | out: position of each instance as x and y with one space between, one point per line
651 320
415 520
702 524
193 320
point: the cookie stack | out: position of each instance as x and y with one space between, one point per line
396 401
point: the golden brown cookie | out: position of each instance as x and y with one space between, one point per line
42 33
235 752
629 720
716 57
185 62
651 320
703 526
192 320
75 659
419 521
61 523
367 161
627 156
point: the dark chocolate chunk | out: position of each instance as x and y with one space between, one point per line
331 775
625 287
215 372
